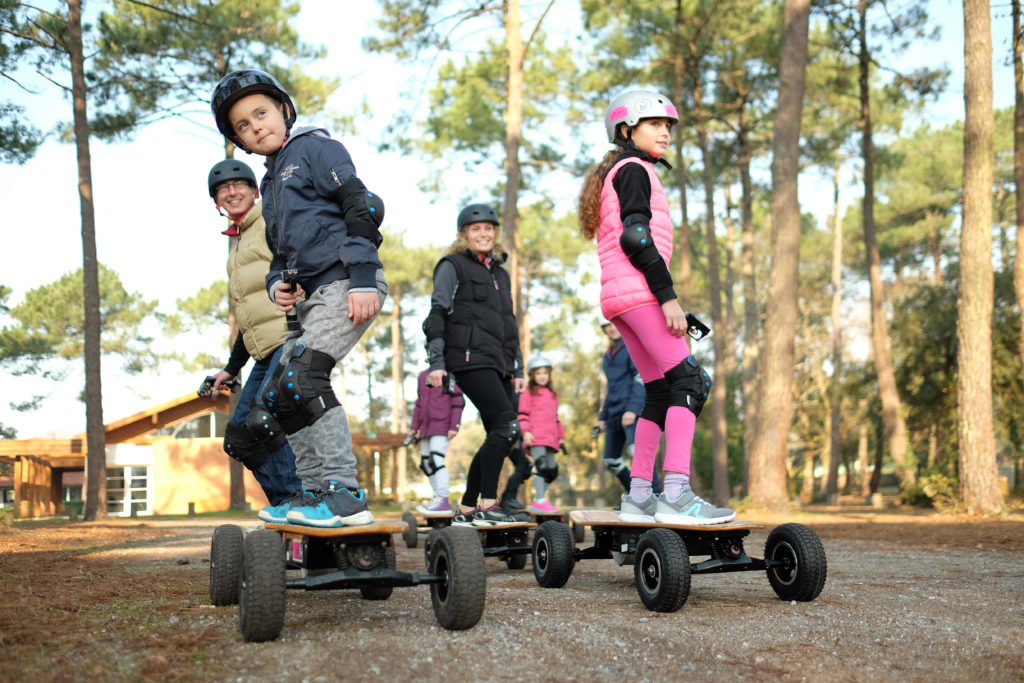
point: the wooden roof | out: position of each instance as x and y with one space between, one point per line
70 453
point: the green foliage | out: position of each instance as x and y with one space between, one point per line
197 313
935 490
49 325
162 58
19 139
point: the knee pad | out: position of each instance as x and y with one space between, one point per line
509 431
305 386
265 428
615 465
432 462
689 385
546 467
283 413
243 446
656 402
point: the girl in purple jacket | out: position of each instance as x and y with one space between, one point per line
543 432
435 421
623 204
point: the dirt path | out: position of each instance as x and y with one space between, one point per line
909 596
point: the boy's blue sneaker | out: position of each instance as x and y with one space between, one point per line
279 513
689 508
337 506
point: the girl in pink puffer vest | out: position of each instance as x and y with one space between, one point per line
623 204
543 432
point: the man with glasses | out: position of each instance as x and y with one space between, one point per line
252 436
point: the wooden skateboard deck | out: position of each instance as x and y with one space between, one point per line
381 527
611 518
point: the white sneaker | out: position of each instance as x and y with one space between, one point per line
642 512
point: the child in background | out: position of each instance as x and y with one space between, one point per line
543 432
623 205
435 421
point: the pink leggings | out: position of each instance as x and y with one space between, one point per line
655 351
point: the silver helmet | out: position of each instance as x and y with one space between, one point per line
632 106
539 360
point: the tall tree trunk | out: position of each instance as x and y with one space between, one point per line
398 411
728 287
862 452
678 80
892 413
1018 160
719 453
835 386
768 459
236 471
96 456
979 485
751 322
513 138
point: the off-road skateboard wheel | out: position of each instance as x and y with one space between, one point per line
579 532
377 591
515 561
410 534
225 564
802 567
262 594
661 569
458 558
552 554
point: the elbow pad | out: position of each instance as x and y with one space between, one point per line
637 242
434 326
363 210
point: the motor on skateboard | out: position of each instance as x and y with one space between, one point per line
430 522
250 570
660 554
509 542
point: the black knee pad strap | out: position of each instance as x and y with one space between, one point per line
656 402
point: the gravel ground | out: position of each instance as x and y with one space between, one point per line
909 597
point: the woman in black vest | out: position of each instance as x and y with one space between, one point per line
472 333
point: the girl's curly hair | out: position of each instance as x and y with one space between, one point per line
589 207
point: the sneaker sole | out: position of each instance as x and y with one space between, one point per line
641 519
271 518
358 519
435 513
667 518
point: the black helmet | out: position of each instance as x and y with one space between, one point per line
229 169
476 213
237 85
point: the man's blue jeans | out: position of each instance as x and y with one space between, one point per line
277 474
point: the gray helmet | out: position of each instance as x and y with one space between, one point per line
477 213
237 85
539 360
632 106
229 169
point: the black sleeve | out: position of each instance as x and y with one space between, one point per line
239 357
633 186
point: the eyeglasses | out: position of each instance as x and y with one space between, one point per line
237 184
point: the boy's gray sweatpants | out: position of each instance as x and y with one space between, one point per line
323 450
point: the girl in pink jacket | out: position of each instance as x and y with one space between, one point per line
623 204
543 433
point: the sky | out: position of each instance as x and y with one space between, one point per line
157 227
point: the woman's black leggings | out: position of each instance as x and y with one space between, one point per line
493 397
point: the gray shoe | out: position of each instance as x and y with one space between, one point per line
643 512
689 508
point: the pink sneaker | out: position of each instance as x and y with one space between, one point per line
543 507
438 507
